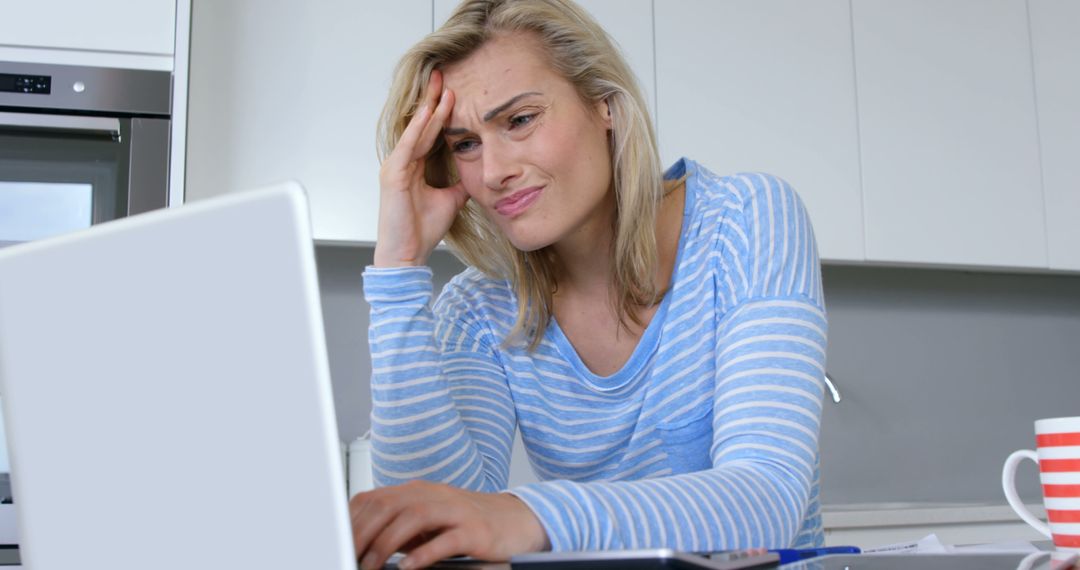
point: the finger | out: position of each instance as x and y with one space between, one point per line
434 128
434 88
370 512
416 541
461 196
404 150
453 542
443 206
406 529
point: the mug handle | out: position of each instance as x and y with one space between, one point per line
1008 483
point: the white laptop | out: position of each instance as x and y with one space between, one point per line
167 393
168 402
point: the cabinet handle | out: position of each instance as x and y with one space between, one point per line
108 126
830 384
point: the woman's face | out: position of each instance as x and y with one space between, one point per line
527 149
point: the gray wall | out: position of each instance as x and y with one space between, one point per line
942 373
345 315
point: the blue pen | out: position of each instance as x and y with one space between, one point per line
788 555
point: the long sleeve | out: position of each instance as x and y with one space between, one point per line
441 409
706 440
767 363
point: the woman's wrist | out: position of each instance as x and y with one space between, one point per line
528 524
389 259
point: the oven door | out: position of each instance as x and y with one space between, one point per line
60 173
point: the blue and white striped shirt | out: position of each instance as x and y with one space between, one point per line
706 439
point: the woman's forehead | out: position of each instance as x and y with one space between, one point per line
505 63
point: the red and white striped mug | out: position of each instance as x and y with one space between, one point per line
1057 441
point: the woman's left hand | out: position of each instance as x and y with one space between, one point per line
432 521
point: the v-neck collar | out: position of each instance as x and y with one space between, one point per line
650 339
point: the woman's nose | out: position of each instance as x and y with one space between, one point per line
500 167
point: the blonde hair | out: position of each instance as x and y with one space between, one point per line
578 49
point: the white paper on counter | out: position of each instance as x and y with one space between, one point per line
931 544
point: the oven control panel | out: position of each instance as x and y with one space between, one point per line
13 83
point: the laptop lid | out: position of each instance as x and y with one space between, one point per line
167 394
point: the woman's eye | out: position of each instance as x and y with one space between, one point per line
464 146
521 120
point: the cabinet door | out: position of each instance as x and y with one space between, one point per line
766 85
295 91
629 22
131 26
948 133
1057 86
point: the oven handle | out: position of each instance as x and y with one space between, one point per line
108 126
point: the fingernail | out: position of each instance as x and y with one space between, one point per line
368 563
405 564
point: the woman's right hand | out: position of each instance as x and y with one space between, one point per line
414 216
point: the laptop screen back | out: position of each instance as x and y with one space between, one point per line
167 395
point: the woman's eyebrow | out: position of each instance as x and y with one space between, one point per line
454 131
497 110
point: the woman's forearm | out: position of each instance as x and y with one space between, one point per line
423 427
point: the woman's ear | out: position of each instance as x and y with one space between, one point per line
603 110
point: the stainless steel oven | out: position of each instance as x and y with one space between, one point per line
80 146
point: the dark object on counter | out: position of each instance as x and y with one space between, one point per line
655 559
9 556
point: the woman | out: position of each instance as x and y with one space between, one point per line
658 340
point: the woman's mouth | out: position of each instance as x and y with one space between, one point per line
518 202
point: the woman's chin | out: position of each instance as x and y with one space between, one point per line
527 243
528 247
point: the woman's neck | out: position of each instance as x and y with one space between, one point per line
585 258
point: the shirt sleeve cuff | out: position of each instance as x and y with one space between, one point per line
387 285
559 517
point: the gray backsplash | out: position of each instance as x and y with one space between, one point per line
942 373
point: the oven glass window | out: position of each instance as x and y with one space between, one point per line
35 210
53 182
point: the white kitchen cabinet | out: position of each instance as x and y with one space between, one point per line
766 85
293 89
80 32
1057 88
630 24
949 143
